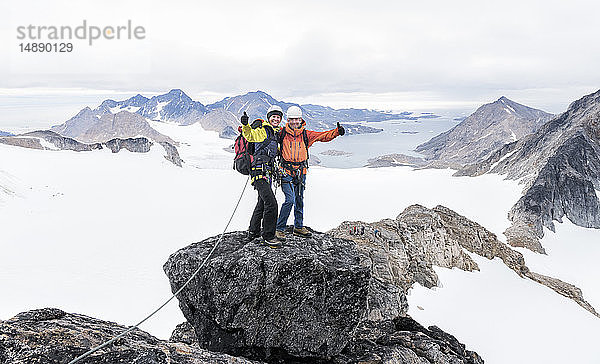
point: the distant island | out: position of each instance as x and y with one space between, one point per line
336 153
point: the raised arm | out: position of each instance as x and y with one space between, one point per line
254 133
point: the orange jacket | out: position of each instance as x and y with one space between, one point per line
293 148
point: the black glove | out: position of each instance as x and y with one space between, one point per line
256 124
341 129
244 119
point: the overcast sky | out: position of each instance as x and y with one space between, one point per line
401 55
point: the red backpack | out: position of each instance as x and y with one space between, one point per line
242 162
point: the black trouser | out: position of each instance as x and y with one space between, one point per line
265 210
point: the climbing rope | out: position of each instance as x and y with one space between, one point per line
93 350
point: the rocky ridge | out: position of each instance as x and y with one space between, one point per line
403 251
49 140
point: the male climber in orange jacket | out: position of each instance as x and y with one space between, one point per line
294 143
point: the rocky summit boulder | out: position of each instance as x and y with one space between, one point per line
313 300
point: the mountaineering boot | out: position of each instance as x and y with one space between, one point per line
280 235
251 236
274 242
303 232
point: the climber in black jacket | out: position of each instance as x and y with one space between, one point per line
264 136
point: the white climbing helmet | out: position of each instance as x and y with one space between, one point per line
274 110
294 112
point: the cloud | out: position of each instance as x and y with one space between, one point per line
459 51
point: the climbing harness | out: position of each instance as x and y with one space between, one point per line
93 350
293 168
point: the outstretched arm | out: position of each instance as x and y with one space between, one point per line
321 136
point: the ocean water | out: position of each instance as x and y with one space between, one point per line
398 136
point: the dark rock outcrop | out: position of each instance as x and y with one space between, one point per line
33 140
136 145
184 333
404 340
63 143
51 336
172 153
31 143
315 300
